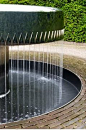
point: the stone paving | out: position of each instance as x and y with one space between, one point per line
70 116
67 48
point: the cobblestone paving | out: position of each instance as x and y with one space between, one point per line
71 116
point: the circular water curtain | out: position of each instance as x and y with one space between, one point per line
32 78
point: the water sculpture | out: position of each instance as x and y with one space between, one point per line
34 85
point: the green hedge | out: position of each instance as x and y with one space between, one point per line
75 22
80 2
74 12
53 3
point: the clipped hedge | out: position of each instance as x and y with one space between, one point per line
80 2
75 22
52 3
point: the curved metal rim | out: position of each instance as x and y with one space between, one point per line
4 95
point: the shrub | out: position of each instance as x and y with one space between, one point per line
52 3
80 2
75 22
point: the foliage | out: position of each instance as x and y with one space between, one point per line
80 2
52 3
75 22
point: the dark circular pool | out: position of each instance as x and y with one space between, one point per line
34 92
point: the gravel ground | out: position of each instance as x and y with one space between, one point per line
67 48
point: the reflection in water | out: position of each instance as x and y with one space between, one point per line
45 99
